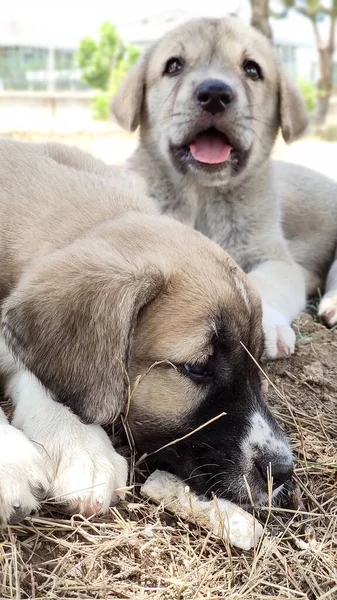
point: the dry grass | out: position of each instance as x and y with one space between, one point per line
141 551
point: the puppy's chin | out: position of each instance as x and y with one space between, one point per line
280 497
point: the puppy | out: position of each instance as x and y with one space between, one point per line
210 98
95 284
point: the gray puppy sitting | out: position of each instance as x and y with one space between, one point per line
210 97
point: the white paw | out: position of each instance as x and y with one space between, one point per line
327 309
280 338
23 476
85 470
88 471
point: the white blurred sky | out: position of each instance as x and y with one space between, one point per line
91 12
70 20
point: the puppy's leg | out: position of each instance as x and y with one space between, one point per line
327 309
281 286
23 475
84 468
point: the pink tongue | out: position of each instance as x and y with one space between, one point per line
210 148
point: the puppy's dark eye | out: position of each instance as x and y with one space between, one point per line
174 66
252 70
198 373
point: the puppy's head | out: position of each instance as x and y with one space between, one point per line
150 296
211 96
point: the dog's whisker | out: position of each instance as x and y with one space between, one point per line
202 467
189 478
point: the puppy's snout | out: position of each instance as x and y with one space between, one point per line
267 452
214 95
280 470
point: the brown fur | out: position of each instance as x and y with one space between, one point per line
93 279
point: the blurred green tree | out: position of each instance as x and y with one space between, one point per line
103 64
317 11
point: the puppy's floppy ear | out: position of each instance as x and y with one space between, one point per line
127 103
71 323
293 114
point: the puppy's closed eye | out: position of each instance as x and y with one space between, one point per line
199 373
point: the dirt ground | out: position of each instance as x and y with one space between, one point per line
140 551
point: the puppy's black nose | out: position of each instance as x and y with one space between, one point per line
280 471
214 95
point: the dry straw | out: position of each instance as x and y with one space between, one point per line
140 551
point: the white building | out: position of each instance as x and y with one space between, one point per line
32 57
39 38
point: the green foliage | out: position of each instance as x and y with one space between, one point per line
100 106
104 64
309 92
288 3
96 59
309 8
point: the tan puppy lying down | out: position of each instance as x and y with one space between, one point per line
94 283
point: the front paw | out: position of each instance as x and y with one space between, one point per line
280 338
89 472
327 309
23 476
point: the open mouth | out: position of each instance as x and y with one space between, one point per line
210 147
209 150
